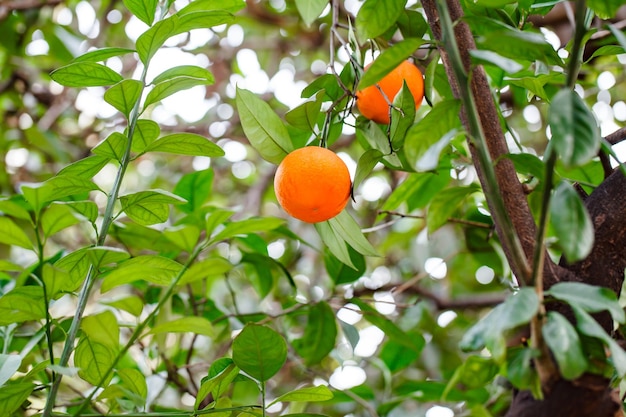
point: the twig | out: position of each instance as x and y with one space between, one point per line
10 6
450 219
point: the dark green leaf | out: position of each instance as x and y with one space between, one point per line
520 370
85 74
424 186
194 187
319 336
265 131
376 16
335 243
342 273
565 345
13 395
517 44
445 204
185 144
365 165
590 298
124 95
575 133
305 115
588 326
490 57
388 60
216 384
402 116
398 356
571 223
144 10
490 331
259 351
244 227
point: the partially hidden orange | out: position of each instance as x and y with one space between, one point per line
312 184
373 105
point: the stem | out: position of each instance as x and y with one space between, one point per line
263 398
582 24
141 327
92 274
477 137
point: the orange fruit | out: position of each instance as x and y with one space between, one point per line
372 104
312 184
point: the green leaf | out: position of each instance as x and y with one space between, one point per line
445 204
102 256
22 304
85 168
310 9
342 273
9 364
605 9
152 39
57 280
184 236
185 144
102 54
85 74
17 207
319 336
131 304
244 227
113 147
306 394
149 207
571 223
13 395
102 328
195 325
12 234
517 44
398 356
188 71
55 189
335 243
217 383
154 269
376 16
402 116
144 10
590 298
490 332
75 265
124 95
57 217
494 3
345 226
588 326
520 370
259 351
205 19
388 60
174 85
194 187
146 132
417 190
93 359
209 267
575 133
565 345
475 372
506 64
305 115
365 165
231 6
265 131
440 120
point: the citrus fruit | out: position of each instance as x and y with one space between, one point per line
312 184
373 105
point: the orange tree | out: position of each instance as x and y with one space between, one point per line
147 268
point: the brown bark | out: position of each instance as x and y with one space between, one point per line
589 395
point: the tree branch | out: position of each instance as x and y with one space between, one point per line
7 7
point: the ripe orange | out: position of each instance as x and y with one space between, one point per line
312 184
373 105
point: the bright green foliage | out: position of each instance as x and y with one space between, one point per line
141 242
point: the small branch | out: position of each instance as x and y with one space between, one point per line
10 6
450 219
616 137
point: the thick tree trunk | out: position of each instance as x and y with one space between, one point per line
589 395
